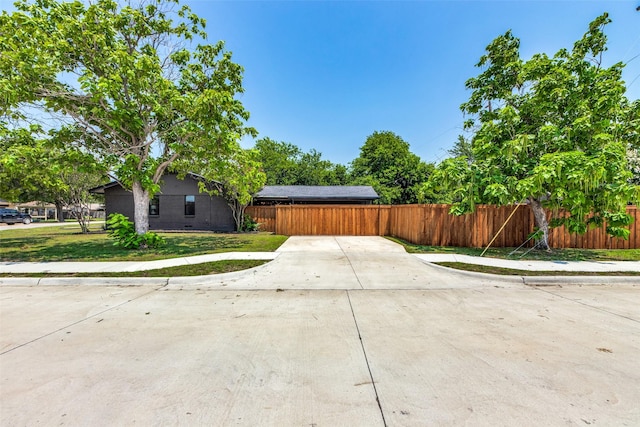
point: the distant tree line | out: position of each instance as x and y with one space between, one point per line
385 163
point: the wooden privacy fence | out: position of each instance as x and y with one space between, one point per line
342 220
431 225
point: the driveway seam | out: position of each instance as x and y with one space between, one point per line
366 359
589 305
350 264
78 322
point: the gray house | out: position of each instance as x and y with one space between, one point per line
316 194
179 206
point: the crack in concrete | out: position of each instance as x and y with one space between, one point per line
588 305
350 264
80 321
366 359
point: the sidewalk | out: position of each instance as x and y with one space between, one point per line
131 266
126 266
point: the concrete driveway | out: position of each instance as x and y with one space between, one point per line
335 332
344 262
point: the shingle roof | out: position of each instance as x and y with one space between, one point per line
317 192
100 189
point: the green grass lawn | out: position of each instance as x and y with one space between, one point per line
67 243
201 269
506 253
512 272
553 255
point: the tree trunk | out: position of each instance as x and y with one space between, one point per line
140 208
59 213
541 222
238 214
80 211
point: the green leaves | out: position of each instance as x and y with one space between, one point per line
46 166
123 234
285 164
236 178
386 163
554 130
127 78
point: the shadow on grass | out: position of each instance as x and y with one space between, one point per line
37 250
182 245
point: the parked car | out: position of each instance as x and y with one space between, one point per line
12 216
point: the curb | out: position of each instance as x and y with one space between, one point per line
84 281
181 282
517 280
540 281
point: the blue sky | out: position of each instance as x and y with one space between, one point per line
327 74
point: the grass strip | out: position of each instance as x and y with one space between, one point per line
513 272
504 253
202 269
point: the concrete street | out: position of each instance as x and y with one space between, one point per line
336 331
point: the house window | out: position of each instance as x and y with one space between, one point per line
189 205
154 206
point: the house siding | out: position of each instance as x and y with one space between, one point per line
211 213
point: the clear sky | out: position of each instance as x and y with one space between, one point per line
327 74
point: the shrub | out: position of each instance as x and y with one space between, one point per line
250 224
123 233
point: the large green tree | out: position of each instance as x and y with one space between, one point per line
314 170
48 168
387 164
279 161
127 77
551 131
632 136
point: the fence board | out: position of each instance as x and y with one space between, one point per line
265 216
431 225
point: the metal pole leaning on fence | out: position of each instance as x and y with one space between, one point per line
500 231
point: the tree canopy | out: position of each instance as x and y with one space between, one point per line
50 169
387 164
125 77
550 130
286 164
236 178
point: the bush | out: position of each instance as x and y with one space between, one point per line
123 232
250 224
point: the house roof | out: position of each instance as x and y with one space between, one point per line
100 189
317 192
